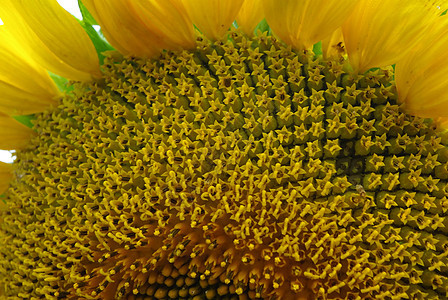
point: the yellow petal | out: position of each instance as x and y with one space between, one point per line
25 87
123 29
213 17
14 135
168 21
53 36
420 76
423 85
16 101
250 14
5 178
116 19
143 28
442 123
378 33
333 46
306 22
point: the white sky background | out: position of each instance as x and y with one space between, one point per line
72 7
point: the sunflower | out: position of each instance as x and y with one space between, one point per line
239 149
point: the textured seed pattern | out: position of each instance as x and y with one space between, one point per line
240 170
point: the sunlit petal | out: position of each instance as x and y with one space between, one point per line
442 122
145 27
53 35
17 101
251 13
118 23
14 134
420 76
333 46
379 33
25 87
5 177
167 20
304 23
213 17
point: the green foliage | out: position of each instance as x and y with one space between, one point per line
25 120
86 15
317 49
263 27
61 82
87 22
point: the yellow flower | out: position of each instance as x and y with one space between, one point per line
375 39
421 74
234 149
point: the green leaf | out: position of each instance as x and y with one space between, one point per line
25 120
317 49
372 70
263 27
100 43
61 82
86 16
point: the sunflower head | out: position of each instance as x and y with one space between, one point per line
198 162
